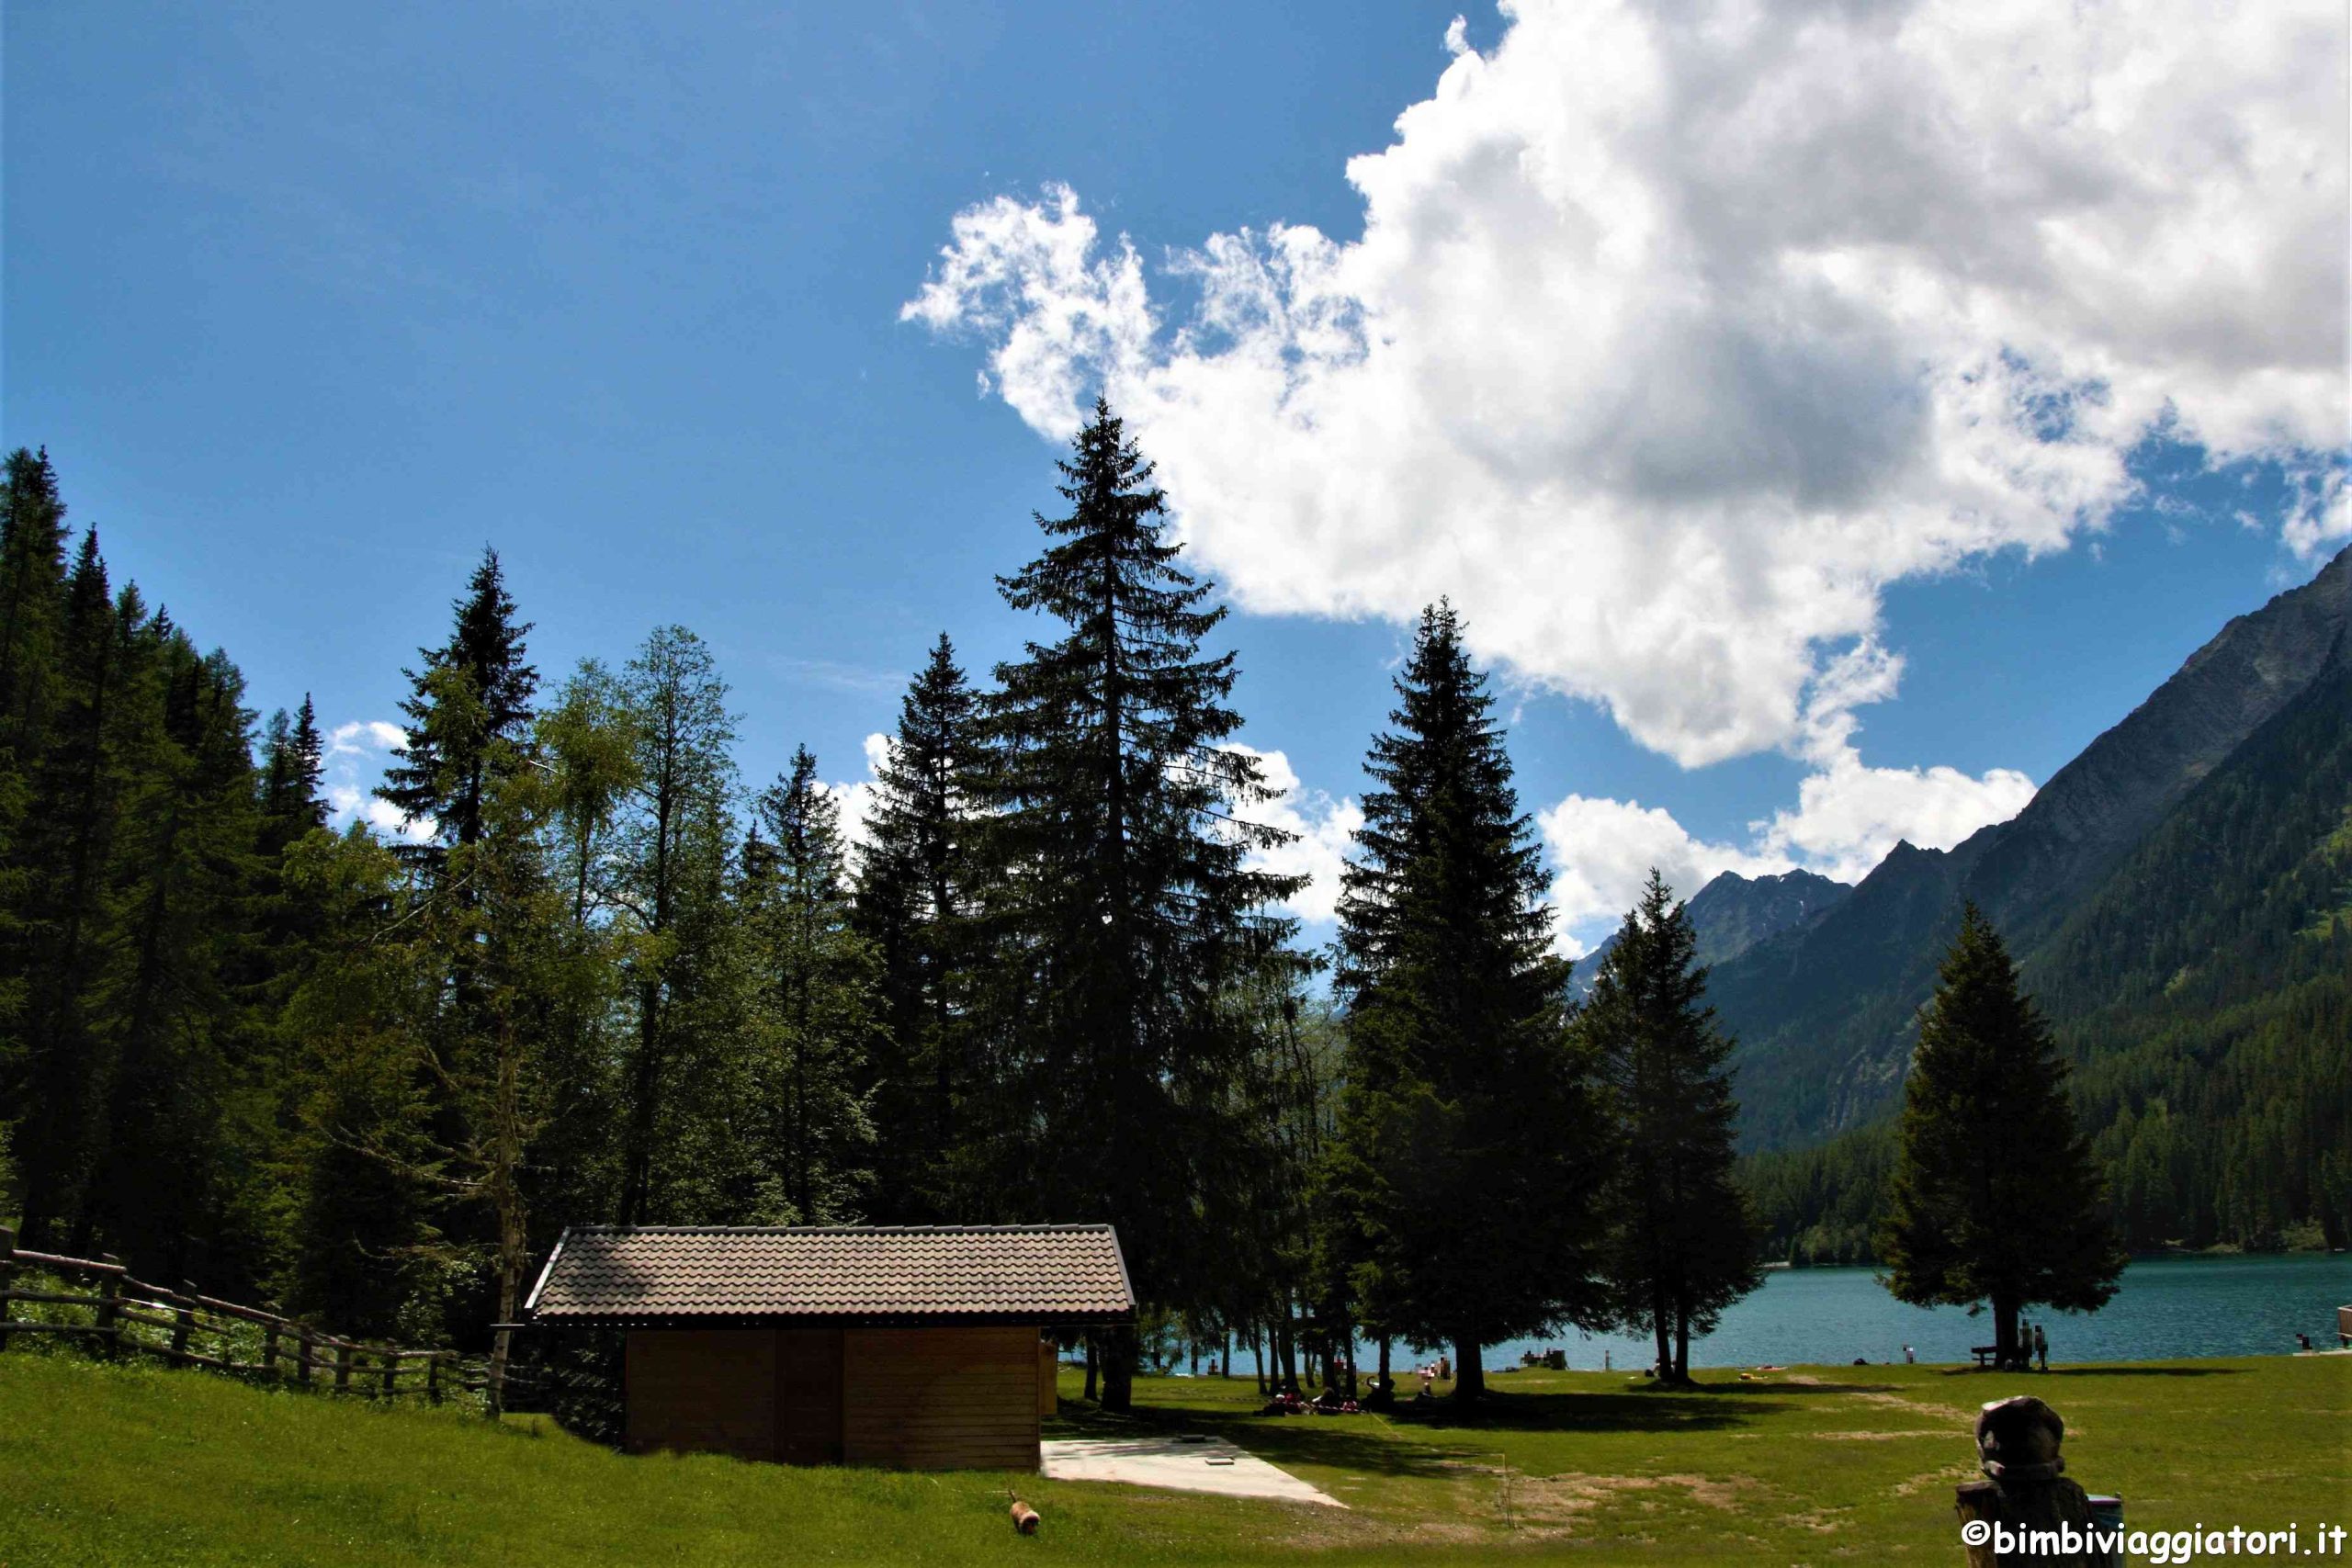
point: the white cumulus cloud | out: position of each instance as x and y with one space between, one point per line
1323 828
856 798
1676 332
353 761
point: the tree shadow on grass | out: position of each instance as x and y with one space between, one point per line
1701 1409
2142 1373
2122 1371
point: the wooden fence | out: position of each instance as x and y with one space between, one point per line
239 1340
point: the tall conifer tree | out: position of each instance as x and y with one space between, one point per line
1472 1148
817 1016
469 715
1684 1247
32 600
1996 1199
65 853
914 904
1122 911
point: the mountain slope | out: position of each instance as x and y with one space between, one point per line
1825 1011
2203 991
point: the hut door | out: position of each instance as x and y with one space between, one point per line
809 1396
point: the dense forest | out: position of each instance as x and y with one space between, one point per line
598 978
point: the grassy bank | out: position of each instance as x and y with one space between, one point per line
135 1465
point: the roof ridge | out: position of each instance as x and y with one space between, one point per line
839 1230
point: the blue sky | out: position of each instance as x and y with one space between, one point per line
309 303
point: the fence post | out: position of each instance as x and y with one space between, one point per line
109 1323
269 1351
302 1354
183 1319
7 1271
392 1370
433 1377
343 1366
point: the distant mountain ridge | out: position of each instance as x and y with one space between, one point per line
1733 913
1824 1005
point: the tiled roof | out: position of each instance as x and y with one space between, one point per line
634 1274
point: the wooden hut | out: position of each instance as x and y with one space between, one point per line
917 1348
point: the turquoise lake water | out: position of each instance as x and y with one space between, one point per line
2165 1308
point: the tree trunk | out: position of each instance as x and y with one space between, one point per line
1665 1362
1682 1343
2004 1332
1119 1370
1469 1372
1090 1368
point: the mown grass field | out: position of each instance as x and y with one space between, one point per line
104 1464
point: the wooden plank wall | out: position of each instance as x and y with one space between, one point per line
809 1396
703 1389
941 1398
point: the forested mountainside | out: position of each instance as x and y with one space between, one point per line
2202 988
1824 1010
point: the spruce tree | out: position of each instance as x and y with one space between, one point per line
63 854
1996 1199
469 715
293 763
1685 1246
32 613
1472 1147
914 904
32 582
1122 911
816 1017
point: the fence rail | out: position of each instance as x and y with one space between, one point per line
288 1350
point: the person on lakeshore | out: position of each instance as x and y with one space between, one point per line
2042 1346
1910 1357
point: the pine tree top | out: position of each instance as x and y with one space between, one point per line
1444 844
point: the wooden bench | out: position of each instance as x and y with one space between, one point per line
2344 1327
1983 1353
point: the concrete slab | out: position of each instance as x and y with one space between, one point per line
1198 1464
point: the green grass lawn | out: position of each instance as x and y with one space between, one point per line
103 1464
